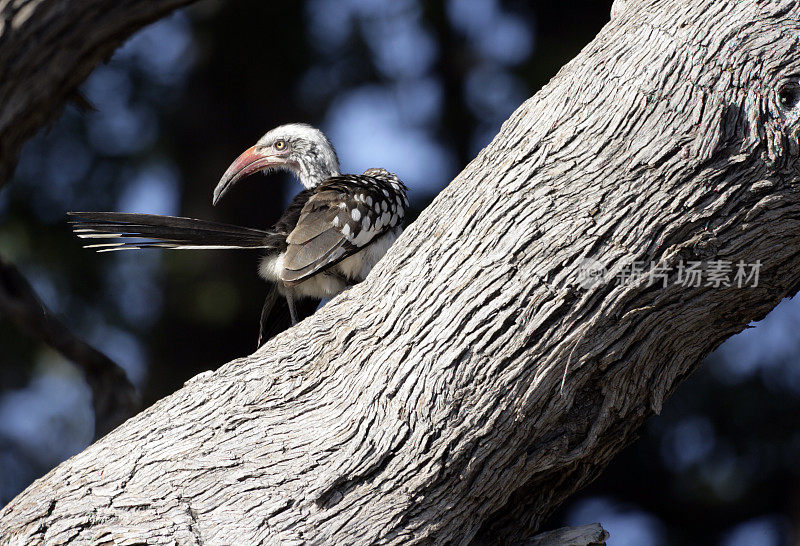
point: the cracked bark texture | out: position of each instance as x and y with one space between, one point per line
424 405
48 48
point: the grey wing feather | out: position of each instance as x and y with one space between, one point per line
320 238
316 217
321 249
313 245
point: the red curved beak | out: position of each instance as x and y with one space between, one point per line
249 162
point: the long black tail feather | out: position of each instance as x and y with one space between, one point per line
174 232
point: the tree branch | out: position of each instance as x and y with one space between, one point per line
114 398
47 49
424 405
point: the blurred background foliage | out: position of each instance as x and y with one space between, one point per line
413 86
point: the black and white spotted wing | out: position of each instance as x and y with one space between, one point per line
343 216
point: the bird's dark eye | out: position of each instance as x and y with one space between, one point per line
280 145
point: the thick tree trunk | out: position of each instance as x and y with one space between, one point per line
425 404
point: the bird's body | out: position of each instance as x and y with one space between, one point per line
335 233
330 236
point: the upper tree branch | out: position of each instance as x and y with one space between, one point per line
47 49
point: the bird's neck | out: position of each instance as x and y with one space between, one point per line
313 175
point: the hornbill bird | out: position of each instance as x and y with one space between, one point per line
329 237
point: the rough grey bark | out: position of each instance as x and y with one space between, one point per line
48 48
424 404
